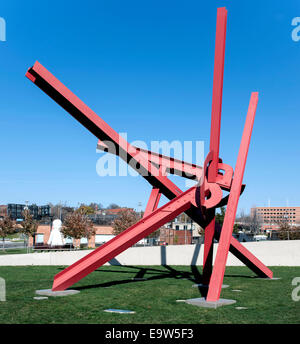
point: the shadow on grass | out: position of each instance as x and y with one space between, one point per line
166 272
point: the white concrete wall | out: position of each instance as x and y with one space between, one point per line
271 253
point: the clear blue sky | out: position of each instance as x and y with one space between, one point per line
146 67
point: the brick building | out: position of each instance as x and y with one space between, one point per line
175 237
184 224
271 217
103 234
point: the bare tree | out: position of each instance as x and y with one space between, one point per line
7 226
60 210
242 217
124 220
286 231
113 206
29 226
253 222
77 225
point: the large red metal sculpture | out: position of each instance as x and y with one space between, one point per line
199 202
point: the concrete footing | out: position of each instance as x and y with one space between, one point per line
201 302
50 292
268 279
120 311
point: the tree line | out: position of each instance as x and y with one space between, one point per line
76 224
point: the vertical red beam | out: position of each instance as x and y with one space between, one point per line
215 134
208 249
217 92
216 281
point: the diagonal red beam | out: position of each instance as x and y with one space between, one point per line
172 165
121 242
48 83
227 228
249 259
80 111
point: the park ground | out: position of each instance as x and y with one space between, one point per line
153 299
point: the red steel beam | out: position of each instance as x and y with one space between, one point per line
227 228
172 166
41 77
249 259
152 202
121 242
209 235
215 135
48 83
217 92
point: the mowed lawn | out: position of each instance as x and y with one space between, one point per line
153 299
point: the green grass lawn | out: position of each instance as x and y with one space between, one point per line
153 300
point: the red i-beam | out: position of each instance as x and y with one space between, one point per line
215 135
198 202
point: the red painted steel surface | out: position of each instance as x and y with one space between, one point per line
208 249
173 166
153 167
212 171
58 92
227 228
236 247
152 202
121 242
217 92
80 111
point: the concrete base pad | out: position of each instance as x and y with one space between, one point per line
120 311
49 292
201 302
268 279
206 286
